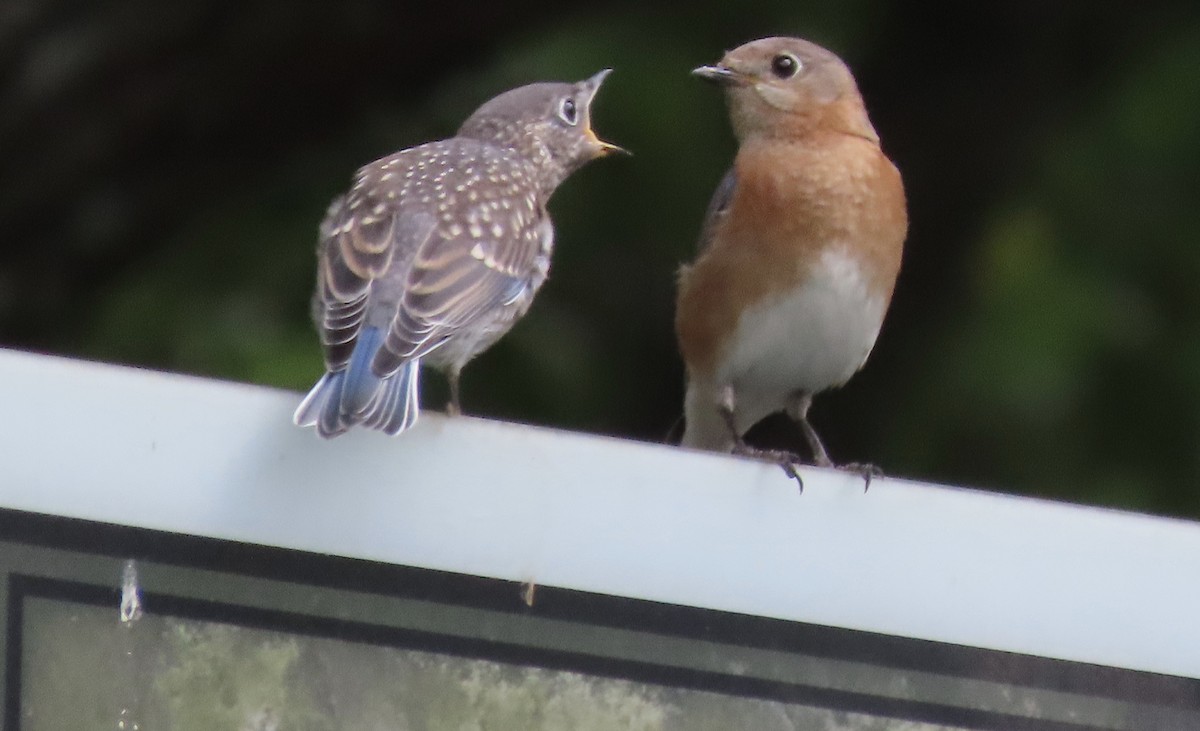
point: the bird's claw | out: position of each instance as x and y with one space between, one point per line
789 462
865 470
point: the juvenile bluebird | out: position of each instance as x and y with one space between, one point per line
438 250
799 251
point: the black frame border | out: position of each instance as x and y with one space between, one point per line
498 595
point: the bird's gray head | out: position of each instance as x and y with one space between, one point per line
789 87
548 123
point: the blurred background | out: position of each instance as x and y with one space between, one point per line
165 165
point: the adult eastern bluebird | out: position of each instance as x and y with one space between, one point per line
799 251
438 250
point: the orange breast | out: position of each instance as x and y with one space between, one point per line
793 201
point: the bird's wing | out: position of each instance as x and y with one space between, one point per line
455 281
362 235
717 208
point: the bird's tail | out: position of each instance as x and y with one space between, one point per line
355 395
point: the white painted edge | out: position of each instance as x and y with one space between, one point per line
223 460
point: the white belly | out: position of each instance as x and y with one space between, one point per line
809 339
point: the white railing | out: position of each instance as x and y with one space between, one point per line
223 460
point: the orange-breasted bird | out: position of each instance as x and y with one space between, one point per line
799 250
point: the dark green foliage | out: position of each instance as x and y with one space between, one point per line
164 178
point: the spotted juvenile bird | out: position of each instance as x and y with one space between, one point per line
437 250
799 251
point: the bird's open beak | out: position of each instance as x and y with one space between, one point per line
596 80
722 75
603 149
608 148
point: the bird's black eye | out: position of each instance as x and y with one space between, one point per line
785 66
568 112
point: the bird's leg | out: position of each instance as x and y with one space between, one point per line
797 410
453 406
786 460
726 406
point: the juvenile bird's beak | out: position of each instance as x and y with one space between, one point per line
603 149
608 148
596 80
722 75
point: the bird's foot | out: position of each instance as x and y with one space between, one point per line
865 470
788 461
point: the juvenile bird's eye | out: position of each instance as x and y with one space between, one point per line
568 112
785 65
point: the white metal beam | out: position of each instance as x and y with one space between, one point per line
174 453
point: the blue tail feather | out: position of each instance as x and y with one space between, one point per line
355 395
401 404
310 409
361 384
